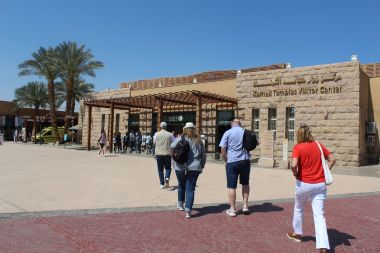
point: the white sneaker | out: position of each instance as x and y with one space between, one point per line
180 206
245 210
188 215
231 212
162 186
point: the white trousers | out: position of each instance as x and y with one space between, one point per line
317 194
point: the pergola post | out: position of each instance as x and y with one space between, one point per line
110 138
199 114
89 128
159 113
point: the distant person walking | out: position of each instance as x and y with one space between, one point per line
237 165
162 143
103 143
310 185
187 173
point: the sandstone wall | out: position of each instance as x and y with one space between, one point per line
374 110
334 117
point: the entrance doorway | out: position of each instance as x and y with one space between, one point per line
223 123
133 122
177 120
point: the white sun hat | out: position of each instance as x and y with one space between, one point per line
189 125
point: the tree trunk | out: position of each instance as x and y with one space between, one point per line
69 98
72 108
53 116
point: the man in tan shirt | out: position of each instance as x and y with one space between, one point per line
163 153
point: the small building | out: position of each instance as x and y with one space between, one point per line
340 102
13 118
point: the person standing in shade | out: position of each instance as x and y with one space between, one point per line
162 143
148 143
125 142
103 143
138 142
132 141
119 142
187 174
310 185
237 165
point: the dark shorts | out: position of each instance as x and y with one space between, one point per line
101 145
236 169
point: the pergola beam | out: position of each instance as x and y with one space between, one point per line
199 114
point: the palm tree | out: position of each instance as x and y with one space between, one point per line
44 64
32 95
73 62
81 89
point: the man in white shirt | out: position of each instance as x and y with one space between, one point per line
163 139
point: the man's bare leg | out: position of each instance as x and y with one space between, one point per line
232 198
245 192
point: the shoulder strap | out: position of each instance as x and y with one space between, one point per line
320 148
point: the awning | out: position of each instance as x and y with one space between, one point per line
152 101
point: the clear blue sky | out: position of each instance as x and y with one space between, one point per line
145 39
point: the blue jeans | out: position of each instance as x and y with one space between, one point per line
187 181
164 161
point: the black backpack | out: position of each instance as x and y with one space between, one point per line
181 151
249 140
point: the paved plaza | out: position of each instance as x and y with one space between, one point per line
67 200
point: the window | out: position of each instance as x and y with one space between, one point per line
371 127
371 141
272 122
272 119
103 121
117 123
290 125
256 121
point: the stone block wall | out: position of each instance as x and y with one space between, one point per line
326 97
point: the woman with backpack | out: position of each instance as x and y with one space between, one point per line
187 171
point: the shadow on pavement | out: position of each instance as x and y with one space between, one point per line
173 188
264 207
336 239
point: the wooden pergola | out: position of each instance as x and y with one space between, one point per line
192 100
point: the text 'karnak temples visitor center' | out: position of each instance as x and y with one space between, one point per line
340 102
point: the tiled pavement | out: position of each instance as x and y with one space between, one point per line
353 222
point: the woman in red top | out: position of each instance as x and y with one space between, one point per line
307 169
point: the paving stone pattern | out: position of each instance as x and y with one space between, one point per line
353 226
